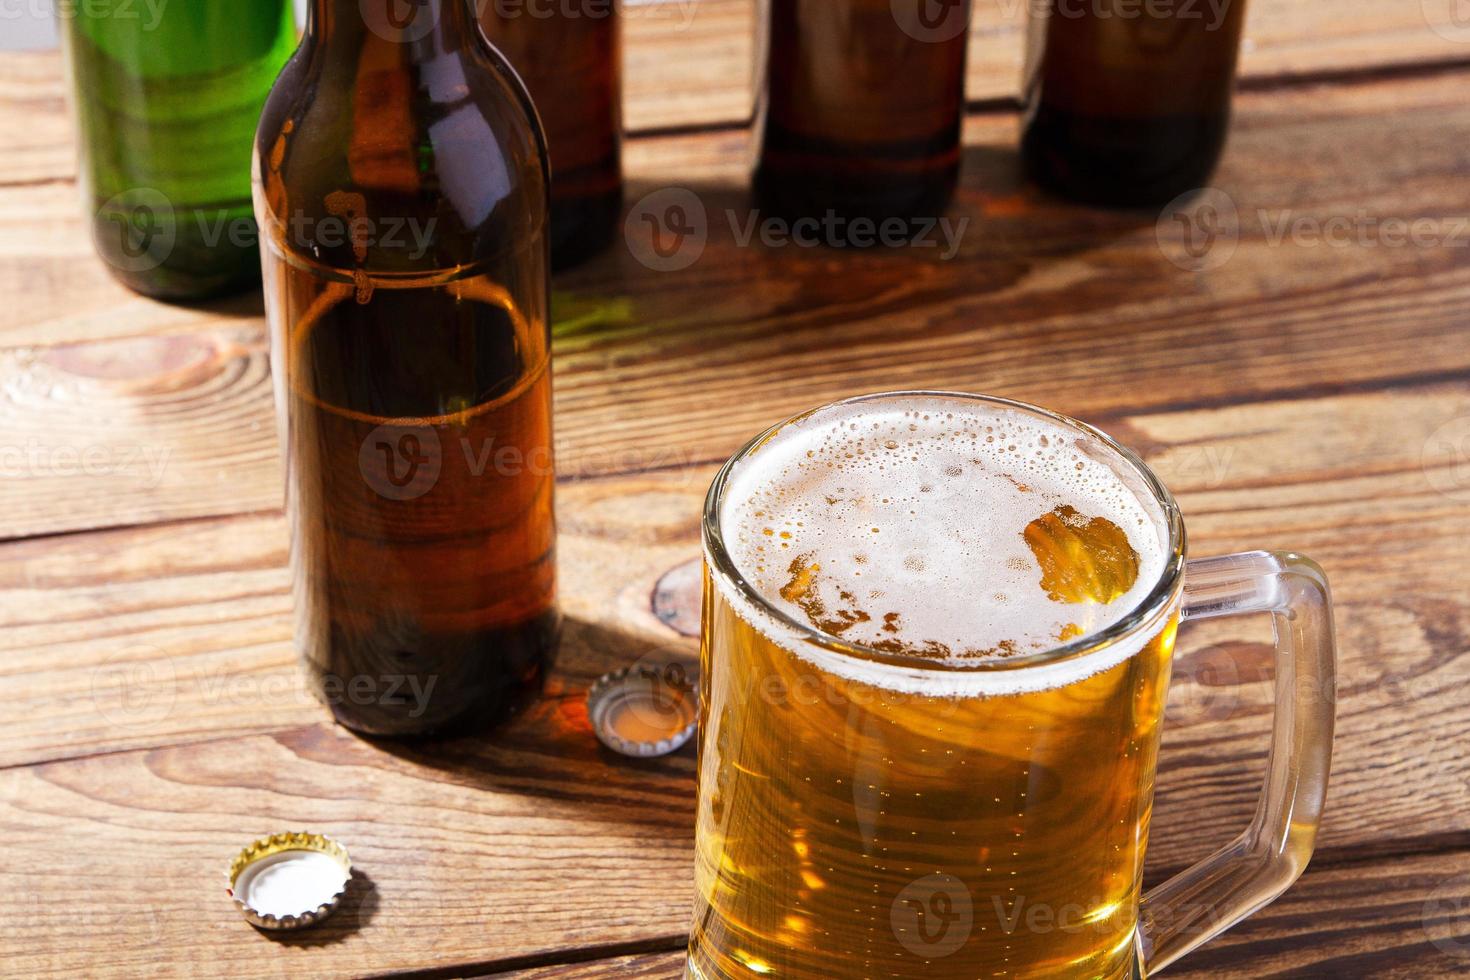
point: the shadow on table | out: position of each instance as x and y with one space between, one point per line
359 905
704 254
549 749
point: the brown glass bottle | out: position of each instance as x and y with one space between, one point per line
570 56
401 191
1129 109
861 107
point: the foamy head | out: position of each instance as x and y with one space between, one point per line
942 528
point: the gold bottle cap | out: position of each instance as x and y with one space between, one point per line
645 710
289 881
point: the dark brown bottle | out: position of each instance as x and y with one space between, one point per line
570 57
861 108
1129 109
401 191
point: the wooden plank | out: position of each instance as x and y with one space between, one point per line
640 966
37 141
690 63
1077 309
473 854
470 853
165 648
145 636
142 429
1398 920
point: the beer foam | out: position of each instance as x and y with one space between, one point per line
947 531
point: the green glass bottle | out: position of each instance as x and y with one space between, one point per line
166 102
403 196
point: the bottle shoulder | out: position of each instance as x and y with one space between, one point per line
448 148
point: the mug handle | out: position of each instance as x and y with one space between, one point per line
1249 873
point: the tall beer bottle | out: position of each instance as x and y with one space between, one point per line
861 107
166 101
1128 104
401 189
570 56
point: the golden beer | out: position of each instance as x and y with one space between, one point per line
937 640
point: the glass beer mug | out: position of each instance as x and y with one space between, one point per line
937 641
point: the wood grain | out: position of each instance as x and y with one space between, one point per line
1076 309
682 47
471 853
1403 920
690 63
1301 395
93 622
166 648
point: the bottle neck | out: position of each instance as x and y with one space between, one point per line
415 30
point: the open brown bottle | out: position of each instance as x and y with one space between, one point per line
570 57
1128 105
861 108
401 190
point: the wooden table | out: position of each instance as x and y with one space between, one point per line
1300 395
